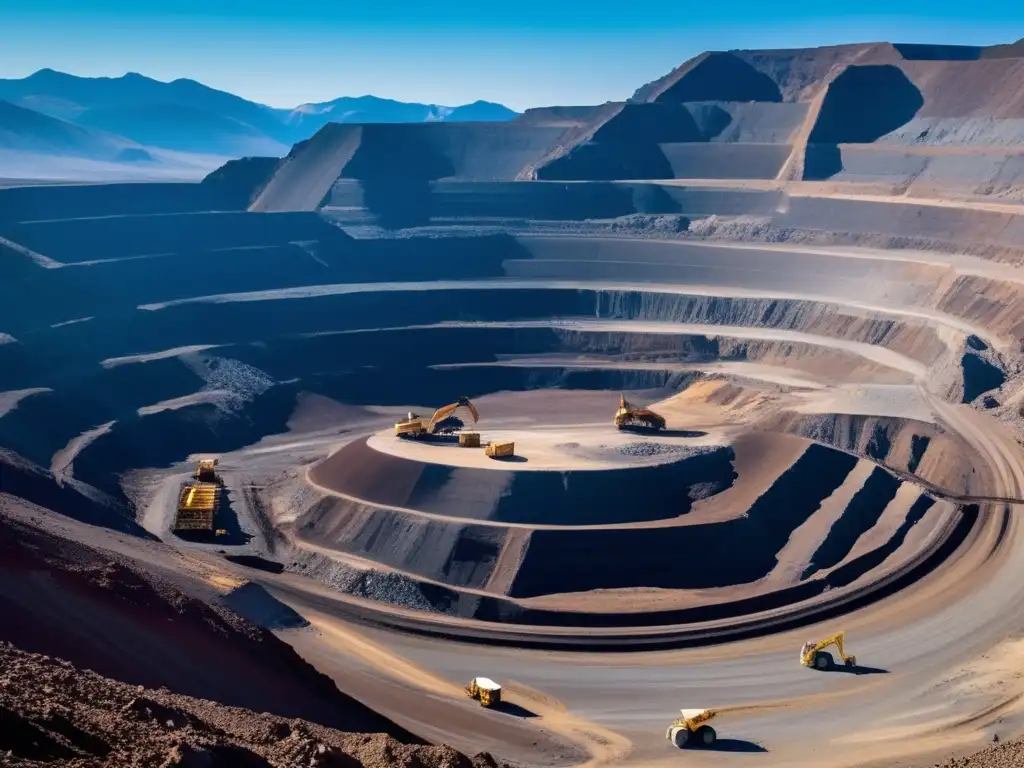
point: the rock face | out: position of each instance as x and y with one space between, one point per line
102 663
914 117
107 614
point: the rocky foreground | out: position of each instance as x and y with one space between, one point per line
52 713
203 681
1008 754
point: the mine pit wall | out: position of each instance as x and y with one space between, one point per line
916 448
626 495
461 555
541 200
922 172
23 479
117 391
857 221
962 227
88 395
992 303
895 282
557 561
85 397
859 516
733 552
299 250
77 240
128 332
818 360
917 340
953 526
221 192
40 429
945 528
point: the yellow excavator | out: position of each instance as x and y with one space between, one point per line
415 426
812 654
629 416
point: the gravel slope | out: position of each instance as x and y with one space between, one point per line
55 714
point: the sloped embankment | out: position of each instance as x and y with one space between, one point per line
104 613
56 713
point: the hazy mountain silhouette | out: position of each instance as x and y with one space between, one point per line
187 116
28 131
309 118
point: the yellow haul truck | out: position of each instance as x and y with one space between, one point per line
692 728
199 499
484 690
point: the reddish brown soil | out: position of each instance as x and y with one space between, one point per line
1007 755
195 676
54 714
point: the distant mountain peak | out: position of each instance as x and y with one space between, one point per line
48 74
185 115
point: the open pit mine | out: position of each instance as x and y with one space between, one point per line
701 410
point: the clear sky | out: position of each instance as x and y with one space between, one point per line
522 53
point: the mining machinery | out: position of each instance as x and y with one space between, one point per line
198 500
206 470
415 426
692 728
500 449
484 690
812 654
627 416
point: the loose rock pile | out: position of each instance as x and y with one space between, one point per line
1009 754
53 714
648 449
380 586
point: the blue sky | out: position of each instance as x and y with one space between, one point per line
523 53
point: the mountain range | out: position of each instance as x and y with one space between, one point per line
137 120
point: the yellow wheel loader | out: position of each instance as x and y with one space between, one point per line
484 690
692 728
813 654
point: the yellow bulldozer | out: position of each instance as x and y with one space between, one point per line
484 690
416 427
629 416
813 654
693 728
